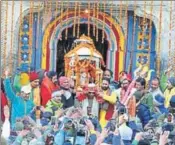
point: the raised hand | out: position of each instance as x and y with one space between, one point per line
164 138
89 124
6 73
6 112
59 112
104 133
139 136
168 70
37 133
24 133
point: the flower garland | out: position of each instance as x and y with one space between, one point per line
126 27
111 13
31 29
150 31
19 52
121 5
56 12
89 18
83 64
11 47
103 31
75 12
78 30
94 15
5 37
133 38
170 27
66 32
61 15
159 40
38 29
144 23
97 21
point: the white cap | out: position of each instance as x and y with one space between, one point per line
56 93
91 85
26 89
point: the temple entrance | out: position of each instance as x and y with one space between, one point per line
65 45
54 44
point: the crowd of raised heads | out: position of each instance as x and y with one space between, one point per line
42 108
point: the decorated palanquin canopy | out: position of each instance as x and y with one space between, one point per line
83 63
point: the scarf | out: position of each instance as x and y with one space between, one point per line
95 106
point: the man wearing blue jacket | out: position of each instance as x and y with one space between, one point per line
20 105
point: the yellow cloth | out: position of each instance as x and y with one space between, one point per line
103 121
168 94
145 68
24 79
36 96
92 131
37 100
112 100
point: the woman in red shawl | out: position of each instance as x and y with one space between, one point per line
4 101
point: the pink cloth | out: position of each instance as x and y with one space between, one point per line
127 93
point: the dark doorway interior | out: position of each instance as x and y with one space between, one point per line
64 46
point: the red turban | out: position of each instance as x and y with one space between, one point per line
62 79
33 76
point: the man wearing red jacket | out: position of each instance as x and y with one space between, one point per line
48 85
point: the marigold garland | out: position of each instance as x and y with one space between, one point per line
159 40
11 46
170 29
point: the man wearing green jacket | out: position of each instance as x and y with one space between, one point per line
55 103
147 97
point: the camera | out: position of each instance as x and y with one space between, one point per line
172 110
13 133
168 127
68 124
82 120
50 139
38 107
53 120
81 132
121 110
111 125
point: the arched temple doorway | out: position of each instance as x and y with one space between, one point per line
113 33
